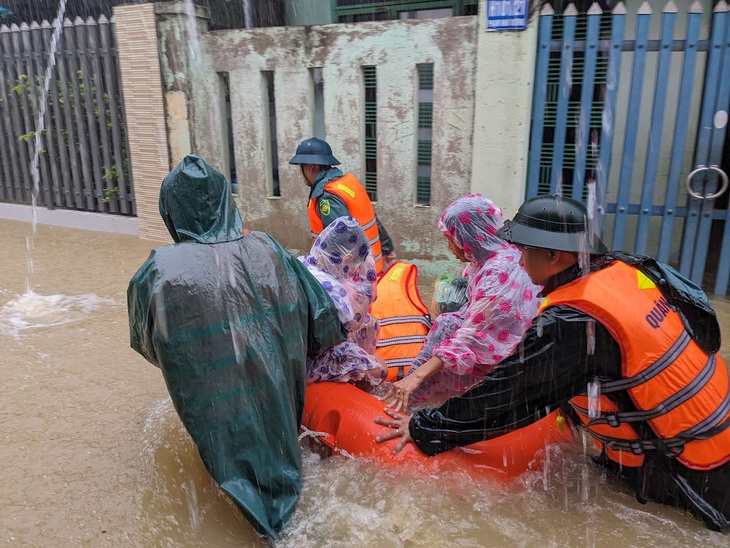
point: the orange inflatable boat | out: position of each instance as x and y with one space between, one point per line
342 416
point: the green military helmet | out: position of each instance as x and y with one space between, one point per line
314 152
552 222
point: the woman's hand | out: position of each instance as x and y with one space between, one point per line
400 391
400 426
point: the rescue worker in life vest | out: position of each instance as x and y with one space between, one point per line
626 345
336 194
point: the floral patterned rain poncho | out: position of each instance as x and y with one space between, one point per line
342 261
501 304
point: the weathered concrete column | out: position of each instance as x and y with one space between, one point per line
180 26
502 112
136 34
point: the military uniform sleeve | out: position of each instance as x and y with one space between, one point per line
551 365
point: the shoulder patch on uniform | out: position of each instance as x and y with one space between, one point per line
324 207
643 281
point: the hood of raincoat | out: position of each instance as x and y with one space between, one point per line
196 204
342 260
471 222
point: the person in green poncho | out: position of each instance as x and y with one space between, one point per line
230 320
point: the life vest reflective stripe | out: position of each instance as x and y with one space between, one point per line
348 189
680 393
404 319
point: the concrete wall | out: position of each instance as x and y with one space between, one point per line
395 48
482 101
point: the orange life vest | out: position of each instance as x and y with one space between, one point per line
404 319
679 391
348 189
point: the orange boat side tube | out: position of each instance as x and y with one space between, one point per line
345 416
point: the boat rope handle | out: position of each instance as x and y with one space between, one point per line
307 433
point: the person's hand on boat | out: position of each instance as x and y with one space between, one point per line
399 423
400 391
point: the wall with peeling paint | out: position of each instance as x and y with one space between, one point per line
395 48
481 98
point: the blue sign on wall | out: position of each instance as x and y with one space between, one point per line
506 14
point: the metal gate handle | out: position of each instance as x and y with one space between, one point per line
717 194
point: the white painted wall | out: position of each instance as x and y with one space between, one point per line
502 111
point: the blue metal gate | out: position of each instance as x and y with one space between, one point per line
635 103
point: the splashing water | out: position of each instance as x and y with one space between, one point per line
39 129
247 13
192 24
33 311
41 123
594 402
591 337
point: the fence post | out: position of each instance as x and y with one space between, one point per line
145 113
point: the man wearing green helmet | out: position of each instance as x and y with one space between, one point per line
335 194
626 346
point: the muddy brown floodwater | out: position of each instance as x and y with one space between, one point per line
93 454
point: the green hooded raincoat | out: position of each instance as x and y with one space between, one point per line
230 319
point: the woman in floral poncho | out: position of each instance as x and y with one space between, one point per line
342 261
464 346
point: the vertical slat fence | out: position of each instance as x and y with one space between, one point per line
83 161
680 70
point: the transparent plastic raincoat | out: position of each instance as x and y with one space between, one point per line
501 303
342 261
230 320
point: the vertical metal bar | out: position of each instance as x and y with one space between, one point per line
22 65
704 135
717 142
538 101
5 175
112 83
64 196
66 74
586 99
9 115
613 77
669 14
643 17
17 97
6 138
723 269
48 156
103 129
74 38
694 18
566 78
94 183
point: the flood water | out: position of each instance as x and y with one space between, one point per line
93 454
